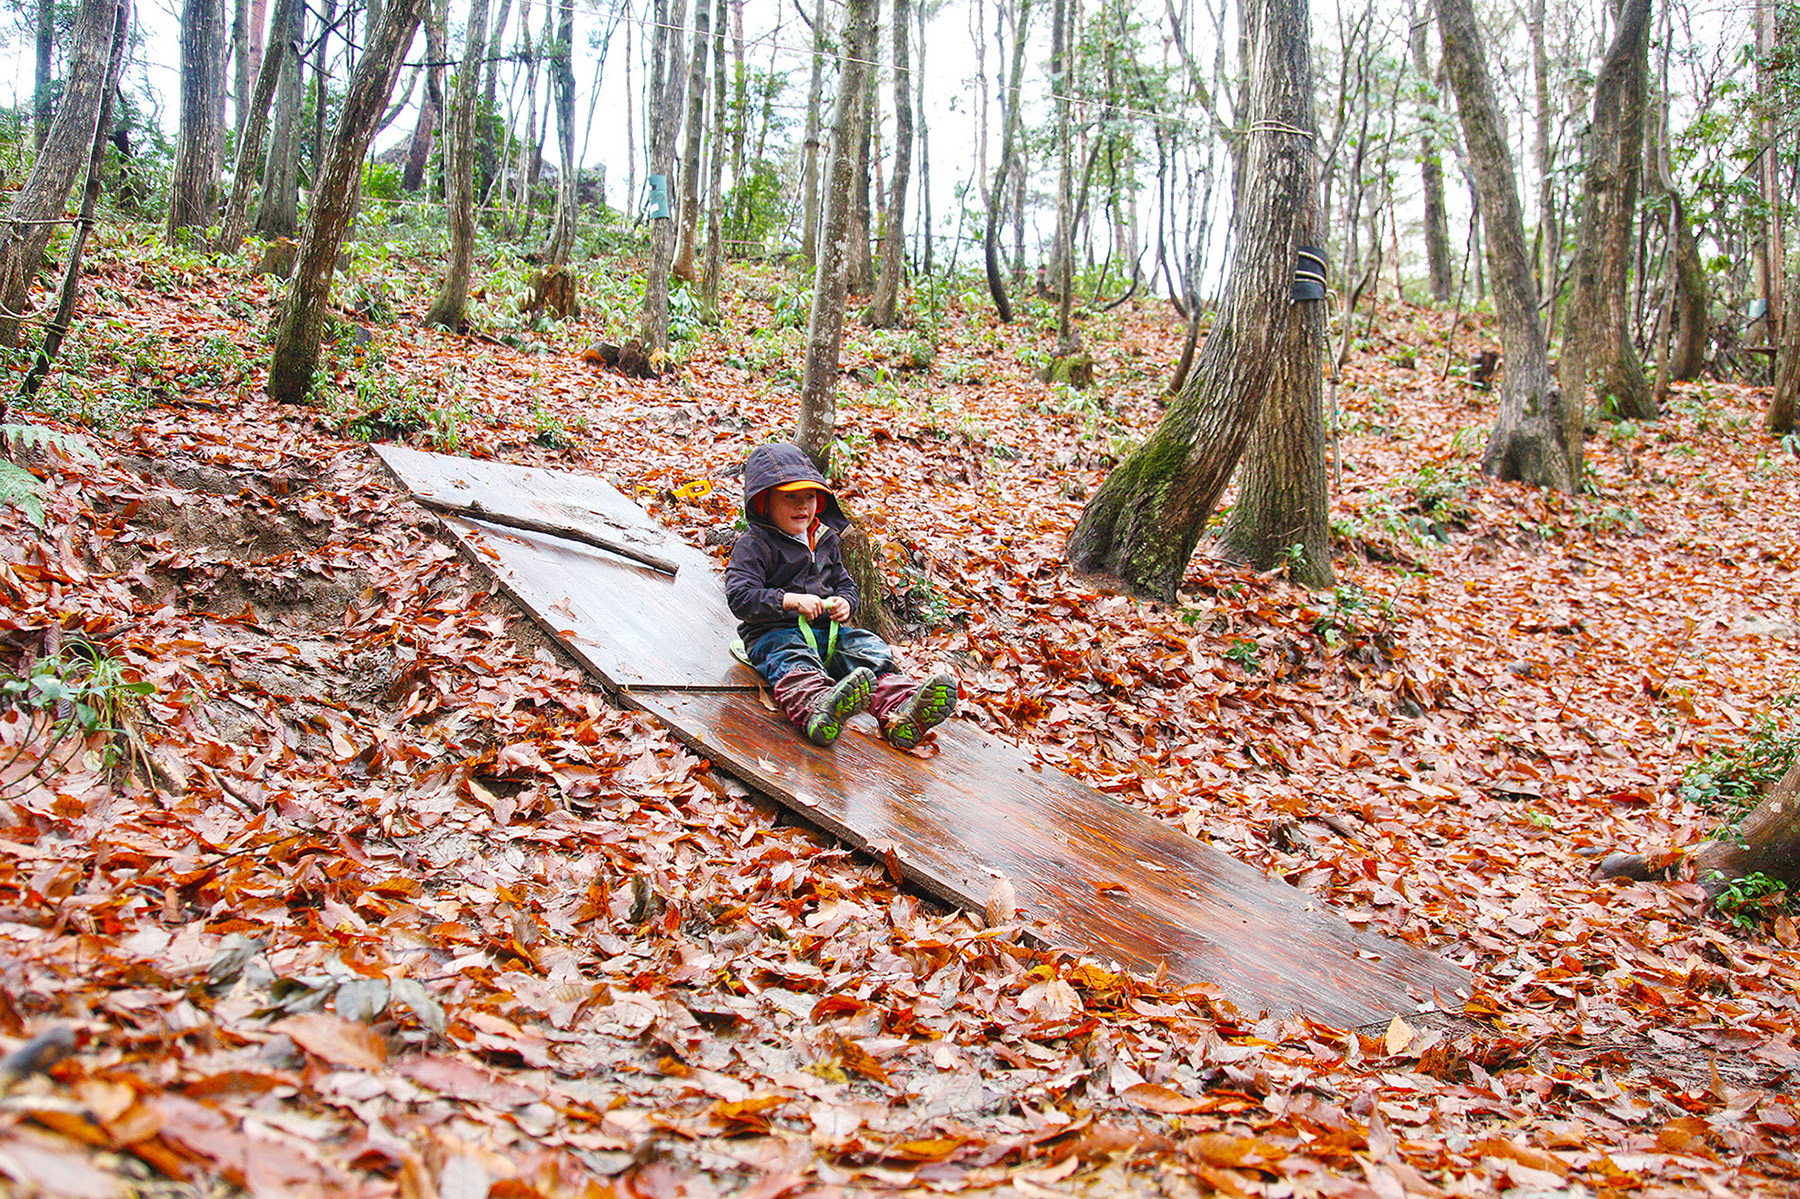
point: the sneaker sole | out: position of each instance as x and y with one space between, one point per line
847 699
931 707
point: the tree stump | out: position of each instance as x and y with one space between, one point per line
555 292
1077 370
277 258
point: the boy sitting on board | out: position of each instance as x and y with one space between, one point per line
787 584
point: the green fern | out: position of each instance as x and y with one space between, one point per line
33 436
21 489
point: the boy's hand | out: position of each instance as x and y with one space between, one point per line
809 606
838 608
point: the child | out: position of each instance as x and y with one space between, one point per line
788 587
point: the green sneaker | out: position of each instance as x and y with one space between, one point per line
834 707
929 707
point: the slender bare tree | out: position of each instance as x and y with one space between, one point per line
301 322
449 308
884 309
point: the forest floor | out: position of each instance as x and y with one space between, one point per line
383 897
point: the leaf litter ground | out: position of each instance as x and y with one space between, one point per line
393 901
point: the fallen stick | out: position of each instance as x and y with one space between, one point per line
477 511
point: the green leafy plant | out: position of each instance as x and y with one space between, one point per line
1747 901
1246 653
73 696
1730 783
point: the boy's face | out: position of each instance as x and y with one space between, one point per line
792 511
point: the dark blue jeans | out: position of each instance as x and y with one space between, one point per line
781 650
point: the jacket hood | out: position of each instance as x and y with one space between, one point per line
781 462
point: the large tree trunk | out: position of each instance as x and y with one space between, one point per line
431 108
250 137
278 204
32 220
1597 345
668 82
884 310
1431 169
1010 124
191 200
304 307
1283 491
690 160
862 257
1527 443
1767 843
451 304
1142 525
825 326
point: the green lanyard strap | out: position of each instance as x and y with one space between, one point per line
812 641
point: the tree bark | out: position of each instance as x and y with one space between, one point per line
64 319
862 258
1527 443
191 188
1784 397
668 82
560 245
713 276
690 159
1142 525
809 163
250 137
884 310
31 221
43 102
431 108
301 322
278 204
1431 166
1061 34
1597 346
487 160
1010 123
825 327
449 309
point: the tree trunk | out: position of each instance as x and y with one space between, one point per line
884 310
321 90
1768 843
1527 443
713 276
1431 168
1063 259
1597 345
668 83
64 320
560 245
1785 395
1010 123
1549 232
191 199
250 137
38 206
450 306
1142 525
303 310
924 139
278 204
690 159
809 163
43 101
487 157
825 327
431 108
862 258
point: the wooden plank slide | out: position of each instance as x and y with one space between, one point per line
1110 881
